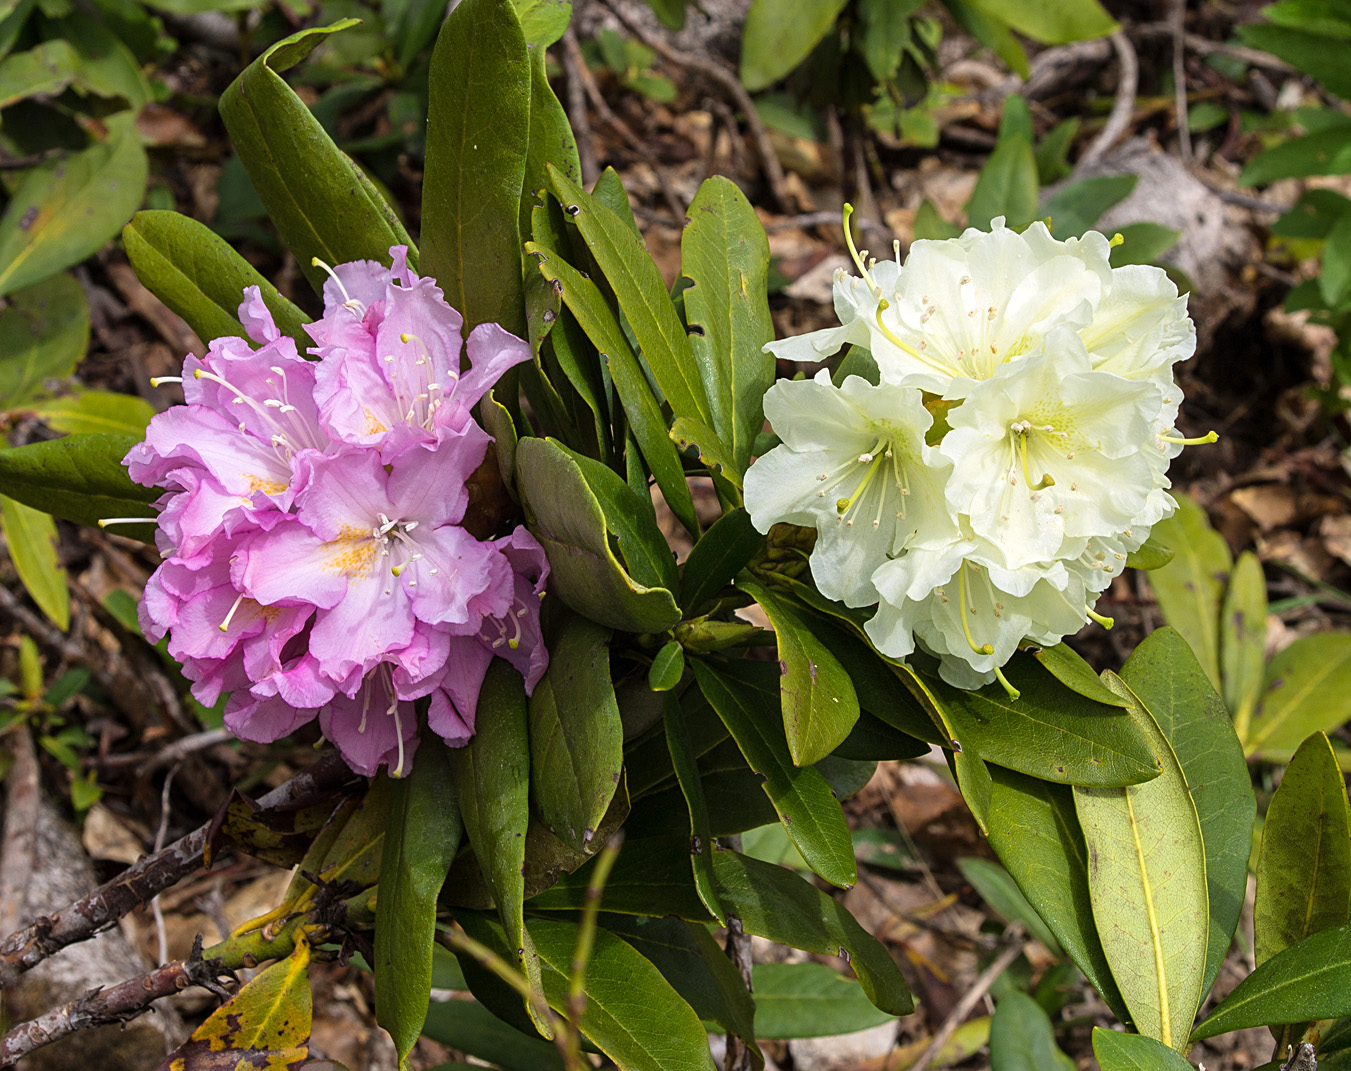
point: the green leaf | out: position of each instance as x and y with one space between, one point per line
1304 865
809 1000
543 21
1309 980
1307 50
66 208
1134 1052
713 453
551 140
1143 243
492 777
991 32
1049 731
632 1013
566 518
721 553
1147 877
776 904
929 224
667 667
1305 691
1072 671
725 255
1053 22
685 763
1335 279
642 297
471 1028
1313 215
1076 206
1243 635
585 302
420 843
576 739
31 538
334 213
820 706
96 411
1326 152
42 71
743 696
998 889
1007 185
44 330
1165 676
1022 1037
776 38
1151 554
197 274
478 135
79 478
1188 587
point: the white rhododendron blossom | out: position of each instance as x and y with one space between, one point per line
1002 522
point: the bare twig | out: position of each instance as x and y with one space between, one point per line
144 879
575 65
1204 46
1124 106
161 938
970 999
732 86
1184 135
173 754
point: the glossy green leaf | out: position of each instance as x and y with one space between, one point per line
585 302
1188 587
492 778
743 696
471 1028
1049 731
44 330
667 667
1134 1052
1151 554
1071 670
566 518
1324 152
1076 206
1306 49
1305 692
725 255
66 208
1309 980
1164 675
776 38
685 763
1304 866
1053 22
42 71
543 21
820 706
1243 634
420 843
200 276
809 1000
551 140
335 214
714 454
1007 185
478 136
576 739
998 889
720 554
650 877
1143 243
30 536
96 411
638 286
775 903
1022 1037
79 478
632 1013
1147 878
972 774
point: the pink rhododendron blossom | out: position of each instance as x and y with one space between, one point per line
315 563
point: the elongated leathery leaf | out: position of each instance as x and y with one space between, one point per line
1304 866
631 1013
1134 1052
79 478
1243 634
44 332
478 136
803 800
807 1000
1036 834
1305 692
420 843
1022 1037
1164 675
566 518
725 255
197 274
1147 878
642 296
96 411
686 767
334 214
585 302
576 739
551 140
31 538
1310 980
1188 587
720 554
819 702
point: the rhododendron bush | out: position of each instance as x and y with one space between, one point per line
428 521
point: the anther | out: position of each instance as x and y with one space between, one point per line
1105 622
156 381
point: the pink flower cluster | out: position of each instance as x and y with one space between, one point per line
314 560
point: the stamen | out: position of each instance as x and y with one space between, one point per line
156 381
1105 622
882 305
349 302
853 251
106 521
962 609
1208 437
225 625
1012 691
1046 479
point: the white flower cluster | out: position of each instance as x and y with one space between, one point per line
1015 451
